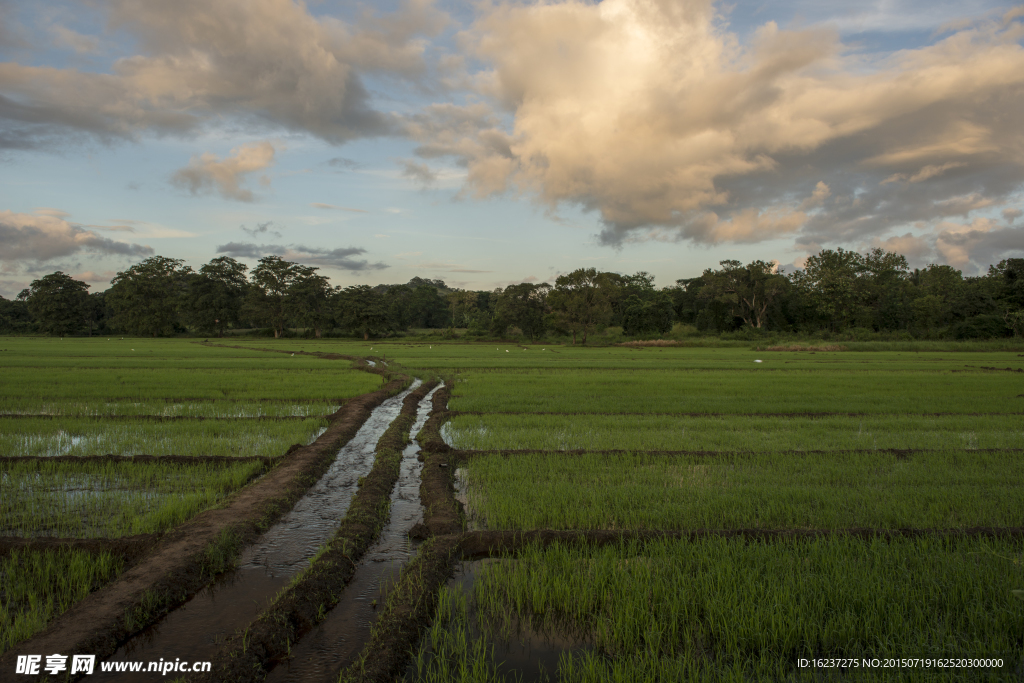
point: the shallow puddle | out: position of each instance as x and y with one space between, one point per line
337 641
524 654
195 631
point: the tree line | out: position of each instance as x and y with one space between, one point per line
836 291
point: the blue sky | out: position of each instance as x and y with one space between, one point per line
486 144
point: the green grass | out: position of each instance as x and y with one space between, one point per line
730 610
731 432
39 585
167 408
98 370
88 436
110 499
739 391
947 489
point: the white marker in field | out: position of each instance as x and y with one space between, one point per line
757 361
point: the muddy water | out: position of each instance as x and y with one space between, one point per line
195 631
525 655
337 641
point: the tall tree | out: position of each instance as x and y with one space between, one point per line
58 303
580 303
462 305
145 298
651 315
748 291
268 296
363 310
310 295
829 281
215 295
524 306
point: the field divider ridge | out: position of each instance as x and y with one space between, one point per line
902 453
314 592
442 513
187 558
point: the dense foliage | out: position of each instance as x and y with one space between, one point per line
836 292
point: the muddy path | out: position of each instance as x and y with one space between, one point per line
269 639
186 558
197 629
338 639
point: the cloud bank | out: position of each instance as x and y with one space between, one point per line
341 258
44 236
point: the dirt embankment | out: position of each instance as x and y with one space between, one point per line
307 601
442 514
183 561
173 459
900 453
129 548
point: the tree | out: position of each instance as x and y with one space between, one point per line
58 303
748 291
311 297
655 315
14 315
829 281
579 303
216 294
145 298
523 306
462 305
268 297
364 310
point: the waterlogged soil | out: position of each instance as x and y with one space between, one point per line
520 652
336 641
197 629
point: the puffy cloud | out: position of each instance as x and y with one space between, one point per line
341 258
419 173
30 240
207 172
263 62
651 114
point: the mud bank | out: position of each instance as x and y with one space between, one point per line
131 548
186 558
173 459
900 453
442 513
483 544
306 602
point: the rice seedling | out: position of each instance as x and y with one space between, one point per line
945 489
449 652
39 585
86 436
110 499
167 408
736 391
731 432
731 610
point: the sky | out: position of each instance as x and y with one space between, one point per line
489 143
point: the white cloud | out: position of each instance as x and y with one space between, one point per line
207 172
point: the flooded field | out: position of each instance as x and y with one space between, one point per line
567 514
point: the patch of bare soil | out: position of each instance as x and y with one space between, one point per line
649 342
442 514
307 601
900 453
182 562
481 544
800 347
173 459
130 548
